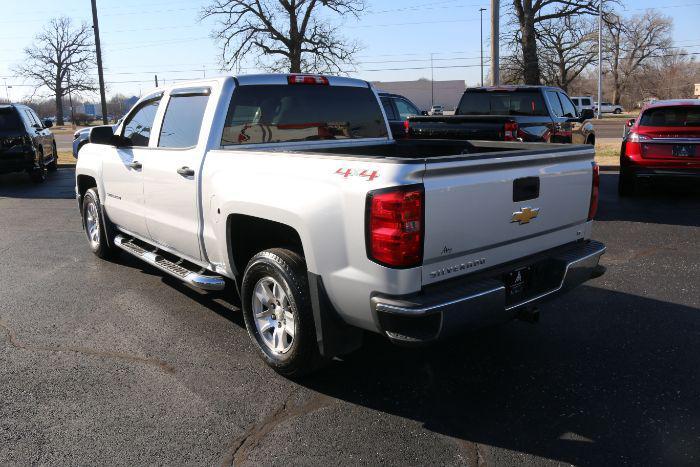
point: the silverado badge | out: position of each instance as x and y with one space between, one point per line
525 215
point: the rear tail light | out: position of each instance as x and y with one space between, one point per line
395 226
510 131
406 127
633 146
595 191
307 79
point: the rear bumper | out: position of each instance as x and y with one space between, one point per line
16 161
470 303
663 172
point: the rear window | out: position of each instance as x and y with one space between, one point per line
9 119
502 103
671 116
274 114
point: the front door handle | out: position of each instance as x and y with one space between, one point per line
135 165
186 172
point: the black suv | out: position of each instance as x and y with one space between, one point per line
398 108
26 144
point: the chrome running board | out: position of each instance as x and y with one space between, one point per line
198 279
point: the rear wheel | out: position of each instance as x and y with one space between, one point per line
38 173
53 165
277 312
95 226
625 184
617 111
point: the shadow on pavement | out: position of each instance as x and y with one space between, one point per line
556 390
674 202
58 185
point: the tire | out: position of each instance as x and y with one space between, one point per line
95 227
625 184
53 165
617 111
278 277
38 174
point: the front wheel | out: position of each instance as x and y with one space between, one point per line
95 226
38 173
277 312
617 111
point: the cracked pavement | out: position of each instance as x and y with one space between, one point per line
113 363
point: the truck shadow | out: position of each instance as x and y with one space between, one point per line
608 377
58 185
662 202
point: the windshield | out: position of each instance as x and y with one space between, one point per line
501 103
9 120
273 114
671 116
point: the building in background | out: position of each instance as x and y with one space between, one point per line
444 93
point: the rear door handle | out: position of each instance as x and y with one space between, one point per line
186 172
135 165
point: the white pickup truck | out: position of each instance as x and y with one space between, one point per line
289 191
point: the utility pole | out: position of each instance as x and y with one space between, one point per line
98 51
156 76
481 42
432 82
7 91
600 57
495 18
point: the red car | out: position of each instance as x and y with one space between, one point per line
663 141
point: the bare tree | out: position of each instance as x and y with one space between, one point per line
60 51
283 35
669 76
568 45
632 42
529 13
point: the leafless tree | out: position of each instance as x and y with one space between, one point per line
529 14
283 35
670 76
631 42
567 46
60 51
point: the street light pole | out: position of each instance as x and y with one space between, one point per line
600 57
98 52
481 42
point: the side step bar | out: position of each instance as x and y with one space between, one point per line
194 278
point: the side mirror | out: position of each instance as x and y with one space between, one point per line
630 122
587 114
103 135
48 123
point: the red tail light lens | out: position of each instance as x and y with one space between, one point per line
595 191
395 226
510 131
406 127
307 79
633 144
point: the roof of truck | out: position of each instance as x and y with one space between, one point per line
511 87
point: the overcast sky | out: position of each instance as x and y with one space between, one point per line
141 38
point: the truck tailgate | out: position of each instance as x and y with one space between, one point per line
472 221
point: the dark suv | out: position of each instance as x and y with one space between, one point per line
398 108
26 144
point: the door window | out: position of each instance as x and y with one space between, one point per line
183 121
554 104
30 118
586 101
569 109
388 108
405 108
138 126
575 101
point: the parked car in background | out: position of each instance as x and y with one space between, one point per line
26 143
436 110
509 113
608 108
397 109
291 189
582 102
80 137
662 142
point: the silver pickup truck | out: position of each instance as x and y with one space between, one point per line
289 191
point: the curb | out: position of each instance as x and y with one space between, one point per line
609 168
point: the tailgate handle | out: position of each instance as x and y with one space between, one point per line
526 188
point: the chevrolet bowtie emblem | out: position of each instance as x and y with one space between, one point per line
525 215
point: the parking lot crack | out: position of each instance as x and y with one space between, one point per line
246 443
16 343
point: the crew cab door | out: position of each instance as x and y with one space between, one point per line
122 169
561 121
171 173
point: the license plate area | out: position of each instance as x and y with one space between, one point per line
528 281
683 150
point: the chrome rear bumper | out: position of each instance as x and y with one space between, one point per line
445 309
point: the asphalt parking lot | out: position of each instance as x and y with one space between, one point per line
112 363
